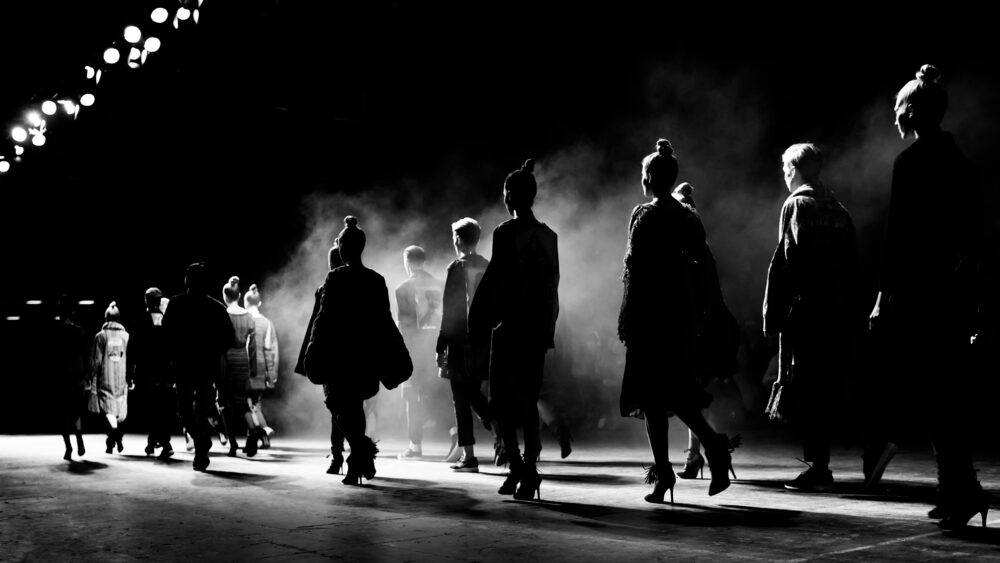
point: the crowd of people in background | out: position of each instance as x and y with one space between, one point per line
483 333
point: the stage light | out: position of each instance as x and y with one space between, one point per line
112 56
159 15
132 34
13 318
19 134
194 15
90 72
33 302
68 105
183 13
38 140
18 151
87 100
152 45
34 118
49 107
86 302
4 166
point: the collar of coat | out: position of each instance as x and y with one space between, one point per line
112 325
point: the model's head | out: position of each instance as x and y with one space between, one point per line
196 278
351 240
520 188
333 259
231 291
465 234
659 170
414 259
152 297
111 314
921 103
252 297
801 163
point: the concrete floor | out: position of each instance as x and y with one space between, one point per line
281 505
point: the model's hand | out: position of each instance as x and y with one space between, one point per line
441 359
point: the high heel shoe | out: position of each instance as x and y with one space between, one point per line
565 442
110 443
509 485
251 444
720 463
361 463
694 467
336 463
958 516
663 480
530 485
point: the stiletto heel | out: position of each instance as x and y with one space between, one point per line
720 462
661 484
959 515
514 474
336 464
693 467
530 485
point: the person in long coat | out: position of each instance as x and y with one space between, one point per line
664 304
69 369
109 384
241 368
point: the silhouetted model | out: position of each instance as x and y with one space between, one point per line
200 332
344 346
68 359
663 304
241 369
153 373
809 285
336 434
267 362
465 367
418 300
928 292
517 303
109 385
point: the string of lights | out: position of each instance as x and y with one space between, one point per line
130 51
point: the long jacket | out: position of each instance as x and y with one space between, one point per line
108 364
813 266
464 276
150 353
241 356
267 352
519 292
200 331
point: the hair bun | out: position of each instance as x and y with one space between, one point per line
929 73
351 222
664 148
253 287
684 189
234 281
113 305
528 166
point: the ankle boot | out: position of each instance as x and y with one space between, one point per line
662 478
509 485
529 485
720 462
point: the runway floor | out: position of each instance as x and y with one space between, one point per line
281 505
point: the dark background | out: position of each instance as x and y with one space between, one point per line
209 150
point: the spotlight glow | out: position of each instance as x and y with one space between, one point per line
34 118
159 15
87 100
33 302
38 140
49 107
112 56
19 134
68 106
4 166
90 72
134 54
18 151
132 34
183 13
86 302
152 45
195 15
13 318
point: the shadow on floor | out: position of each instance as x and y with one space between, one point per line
85 467
594 478
975 533
234 477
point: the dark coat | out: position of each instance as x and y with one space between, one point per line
348 338
663 307
464 276
150 354
520 288
68 361
300 364
199 331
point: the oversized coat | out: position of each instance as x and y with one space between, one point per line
108 364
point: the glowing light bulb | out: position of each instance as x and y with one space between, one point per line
133 54
49 107
132 34
34 118
159 15
195 15
90 72
87 100
86 302
183 13
4 166
38 140
19 134
18 150
112 56
152 45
